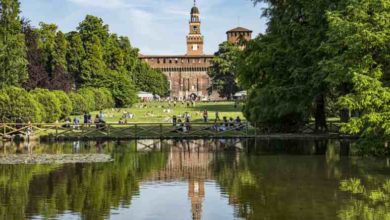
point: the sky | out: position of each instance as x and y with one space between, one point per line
156 27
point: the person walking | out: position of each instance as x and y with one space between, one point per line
217 116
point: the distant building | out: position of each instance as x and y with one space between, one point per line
188 74
238 34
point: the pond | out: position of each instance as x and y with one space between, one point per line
196 179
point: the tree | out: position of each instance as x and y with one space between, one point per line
93 65
37 75
93 27
358 47
47 42
75 55
13 60
282 68
149 80
223 70
120 86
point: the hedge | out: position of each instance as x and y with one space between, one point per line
16 102
51 104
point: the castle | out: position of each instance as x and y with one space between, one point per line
188 74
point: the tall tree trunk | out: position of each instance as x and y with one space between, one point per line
320 115
344 113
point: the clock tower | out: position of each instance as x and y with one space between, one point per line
195 38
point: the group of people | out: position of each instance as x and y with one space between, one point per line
98 121
219 125
229 124
180 125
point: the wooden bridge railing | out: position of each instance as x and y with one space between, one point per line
141 130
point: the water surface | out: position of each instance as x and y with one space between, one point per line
192 179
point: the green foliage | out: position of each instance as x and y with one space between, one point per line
149 80
359 46
66 103
19 103
369 203
47 42
59 54
353 186
79 104
89 98
223 69
51 104
75 55
103 98
281 68
13 60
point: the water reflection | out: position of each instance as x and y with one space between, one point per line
207 179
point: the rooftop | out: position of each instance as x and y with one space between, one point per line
239 29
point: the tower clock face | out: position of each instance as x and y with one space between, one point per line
195 47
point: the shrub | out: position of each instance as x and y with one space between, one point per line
89 98
66 103
103 99
78 103
121 87
51 104
16 102
123 91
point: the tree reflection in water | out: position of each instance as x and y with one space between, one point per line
262 179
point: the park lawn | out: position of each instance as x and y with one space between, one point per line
154 112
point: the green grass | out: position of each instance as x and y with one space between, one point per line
154 112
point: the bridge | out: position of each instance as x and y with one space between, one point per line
114 131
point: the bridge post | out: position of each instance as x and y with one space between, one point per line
108 130
135 130
161 131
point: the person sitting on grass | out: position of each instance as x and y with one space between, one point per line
225 122
222 127
174 121
180 126
231 122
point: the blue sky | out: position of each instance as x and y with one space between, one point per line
153 26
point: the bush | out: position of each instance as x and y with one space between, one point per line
88 95
121 87
103 99
66 103
16 102
123 91
51 104
78 103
